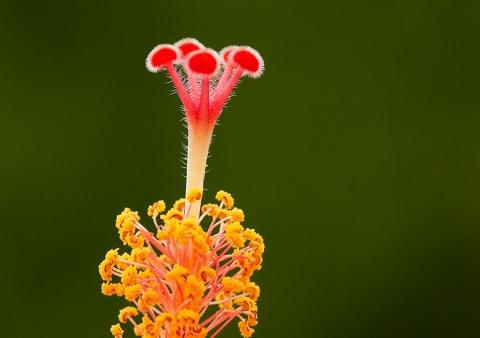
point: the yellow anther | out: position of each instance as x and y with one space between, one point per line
132 292
169 229
200 243
190 227
253 259
116 331
178 273
172 213
246 303
207 274
223 213
150 297
112 256
194 194
187 230
120 290
165 259
194 289
125 223
156 209
147 329
245 330
252 290
165 317
232 285
135 241
127 216
210 209
234 234
191 223
179 204
237 215
162 235
251 235
129 276
187 317
140 255
226 198
108 289
146 274
127 313
138 330
252 318
123 265
105 268
199 332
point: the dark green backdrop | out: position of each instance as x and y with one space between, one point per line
356 155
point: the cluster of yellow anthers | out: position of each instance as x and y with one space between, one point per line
175 277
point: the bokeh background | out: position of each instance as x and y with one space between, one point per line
356 155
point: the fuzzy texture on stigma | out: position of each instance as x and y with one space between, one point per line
204 81
188 45
210 77
185 281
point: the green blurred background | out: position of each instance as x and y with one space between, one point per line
356 155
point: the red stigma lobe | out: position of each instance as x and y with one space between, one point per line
247 60
188 45
187 48
204 79
226 53
203 62
161 56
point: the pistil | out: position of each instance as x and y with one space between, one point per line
209 83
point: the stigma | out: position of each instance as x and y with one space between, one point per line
203 78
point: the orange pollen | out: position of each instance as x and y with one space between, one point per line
177 276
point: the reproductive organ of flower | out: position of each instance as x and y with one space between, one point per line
190 275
